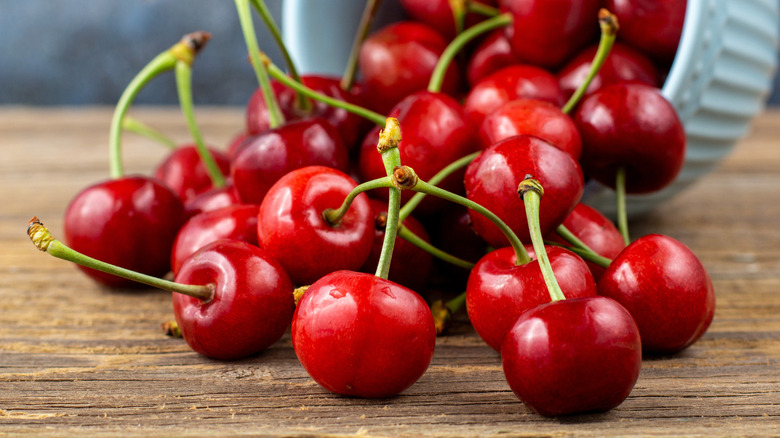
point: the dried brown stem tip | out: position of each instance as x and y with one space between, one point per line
389 137
530 184
608 22
172 329
196 40
298 293
380 222
39 234
404 177
441 316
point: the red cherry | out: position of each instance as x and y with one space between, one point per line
631 126
183 171
291 228
652 26
213 199
573 356
623 64
236 222
252 303
492 179
508 84
398 60
435 132
667 290
499 290
360 335
350 126
548 32
235 143
438 15
596 231
259 163
410 266
130 222
532 117
491 55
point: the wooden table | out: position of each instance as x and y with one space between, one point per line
75 358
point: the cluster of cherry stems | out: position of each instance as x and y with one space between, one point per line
570 314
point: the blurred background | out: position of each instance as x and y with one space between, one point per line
82 52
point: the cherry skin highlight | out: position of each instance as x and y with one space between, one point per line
360 335
251 307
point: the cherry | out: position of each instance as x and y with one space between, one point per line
508 84
445 16
398 60
491 180
261 161
291 227
632 127
251 306
572 356
183 171
357 334
623 64
667 290
651 26
546 33
499 289
236 222
435 133
212 199
532 117
491 55
130 221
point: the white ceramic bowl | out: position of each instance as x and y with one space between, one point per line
719 81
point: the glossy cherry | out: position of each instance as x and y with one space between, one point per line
548 32
631 126
236 222
623 64
438 14
398 60
573 356
499 290
491 180
291 228
667 290
532 117
130 222
213 199
508 84
654 27
251 306
183 171
359 335
261 161
491 55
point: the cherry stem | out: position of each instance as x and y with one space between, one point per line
186 48
459 10
280 76
387 146
184 87
369 13
442 312
44 241
609 26
134 125
531 191
575 241
457 44
520 253
275 116
586 254
303 102
435 180
481 8
622 213
417 241
333 216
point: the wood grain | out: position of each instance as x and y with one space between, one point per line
75 358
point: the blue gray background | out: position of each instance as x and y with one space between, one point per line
81 52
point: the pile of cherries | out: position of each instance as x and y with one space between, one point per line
489 119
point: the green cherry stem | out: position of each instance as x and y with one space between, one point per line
417 241
586 254
303 102
275 116
364 27
44 241
389 138
184 87
186 48
481 8
622 213
609 26
575 241
459 10
531 191
421 186
457 44
131 124
333 216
